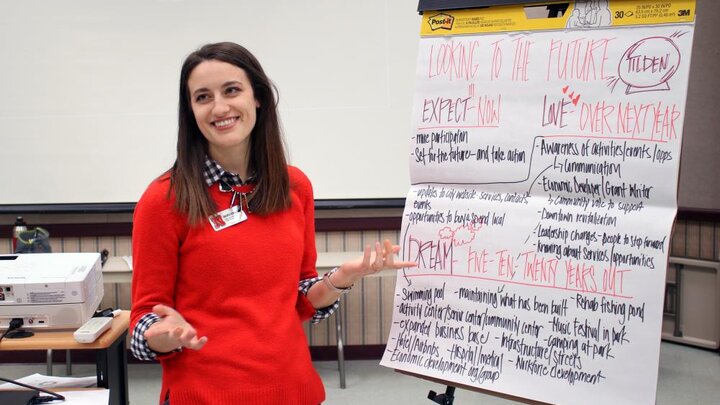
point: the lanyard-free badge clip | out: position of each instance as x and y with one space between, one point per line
227 218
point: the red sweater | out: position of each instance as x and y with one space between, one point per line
238 287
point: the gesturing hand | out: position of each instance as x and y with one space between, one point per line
172 332
372 261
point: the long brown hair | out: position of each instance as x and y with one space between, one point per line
267 150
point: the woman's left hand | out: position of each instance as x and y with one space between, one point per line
372 261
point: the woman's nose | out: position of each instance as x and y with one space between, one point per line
220 107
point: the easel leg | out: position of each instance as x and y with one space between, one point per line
340 345
443 399
49 361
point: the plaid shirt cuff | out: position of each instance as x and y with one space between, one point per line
320 313
138 344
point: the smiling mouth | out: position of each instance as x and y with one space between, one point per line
228 122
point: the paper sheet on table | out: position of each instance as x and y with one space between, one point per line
88 397
51 382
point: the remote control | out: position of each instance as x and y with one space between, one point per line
93 328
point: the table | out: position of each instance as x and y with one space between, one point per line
110 350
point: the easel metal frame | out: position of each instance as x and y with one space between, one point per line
440 5
450 391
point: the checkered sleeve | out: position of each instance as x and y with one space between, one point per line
320 313
138 344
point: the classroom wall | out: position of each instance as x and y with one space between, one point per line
92 84
383 33
367 309
696 239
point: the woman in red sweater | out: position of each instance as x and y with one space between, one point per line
224 249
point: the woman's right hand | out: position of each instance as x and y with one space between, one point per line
172 331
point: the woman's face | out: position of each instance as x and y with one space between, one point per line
224 106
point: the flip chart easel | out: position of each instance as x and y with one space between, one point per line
544 164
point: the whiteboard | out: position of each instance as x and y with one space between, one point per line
88 112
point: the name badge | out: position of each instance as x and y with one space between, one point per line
227 218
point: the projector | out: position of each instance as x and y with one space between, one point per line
50 290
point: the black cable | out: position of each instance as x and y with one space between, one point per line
15 323
55 396
107 312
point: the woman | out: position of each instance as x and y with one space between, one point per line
224 248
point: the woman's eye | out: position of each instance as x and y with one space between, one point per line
200 98
232 90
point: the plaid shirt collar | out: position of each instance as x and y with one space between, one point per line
213 173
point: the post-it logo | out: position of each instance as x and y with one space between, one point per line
441 21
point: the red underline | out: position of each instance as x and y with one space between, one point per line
459 126
519 283
603 137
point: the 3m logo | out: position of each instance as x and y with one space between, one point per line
683 13
441 21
